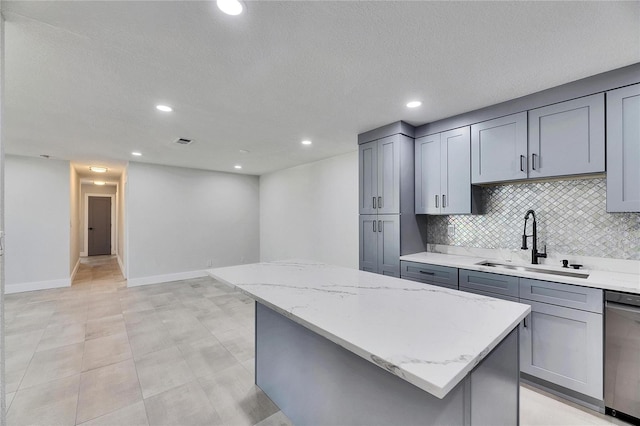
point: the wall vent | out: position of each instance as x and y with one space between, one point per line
183 141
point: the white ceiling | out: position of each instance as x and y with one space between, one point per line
82 77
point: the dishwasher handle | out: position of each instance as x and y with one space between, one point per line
622 307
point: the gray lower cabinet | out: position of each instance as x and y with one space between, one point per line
442 276
567 138
500 285
443 174
380 244
563 346
499 149
561 341
623 149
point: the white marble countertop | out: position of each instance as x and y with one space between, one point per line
430 336
606 280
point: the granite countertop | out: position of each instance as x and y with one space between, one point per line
430 336
606 280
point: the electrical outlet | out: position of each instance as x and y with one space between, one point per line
451 231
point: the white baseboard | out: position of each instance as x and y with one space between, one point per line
36 285
157 279
75 271
121 265
83 254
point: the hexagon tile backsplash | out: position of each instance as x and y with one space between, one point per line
571 217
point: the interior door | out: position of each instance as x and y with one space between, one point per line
99 226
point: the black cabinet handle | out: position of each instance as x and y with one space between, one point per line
374 226
90 229
444 201
427 272
379 226
374 202
533 161
522 158
379 202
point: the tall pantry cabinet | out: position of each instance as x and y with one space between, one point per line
388 226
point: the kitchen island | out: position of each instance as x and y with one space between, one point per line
340 346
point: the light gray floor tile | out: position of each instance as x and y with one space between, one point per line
53 364
153 339
105 326
56 336
8 399
107 389
207 356
26 323
52 403
184 405
162 370
132 415
240 342
236 398
277 419
19 349
12 380
106 350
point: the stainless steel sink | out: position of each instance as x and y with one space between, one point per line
537 270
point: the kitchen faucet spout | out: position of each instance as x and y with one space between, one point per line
534 236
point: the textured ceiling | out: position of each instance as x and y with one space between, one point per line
82 77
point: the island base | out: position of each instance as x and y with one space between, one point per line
317 382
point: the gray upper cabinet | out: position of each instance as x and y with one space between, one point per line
567 138
499 149
443 175
428 174
623 149
379 175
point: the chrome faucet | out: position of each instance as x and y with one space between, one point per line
534 251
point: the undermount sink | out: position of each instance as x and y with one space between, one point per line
537 270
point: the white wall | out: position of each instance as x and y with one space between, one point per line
75 213
121 218
181 220
37 219
311 212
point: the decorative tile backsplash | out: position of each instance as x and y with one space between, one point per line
571 217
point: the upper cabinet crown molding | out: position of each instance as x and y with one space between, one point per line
623 149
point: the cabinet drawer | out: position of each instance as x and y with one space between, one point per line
571 296
504 285
488 294
430 274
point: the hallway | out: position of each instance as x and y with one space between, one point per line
101 353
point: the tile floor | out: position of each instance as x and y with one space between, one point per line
180 353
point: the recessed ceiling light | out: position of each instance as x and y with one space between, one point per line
414 104
99 182
230 7
98 169
136 153
306 142
237 166
243 151
164 108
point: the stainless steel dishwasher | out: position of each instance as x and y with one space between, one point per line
622 356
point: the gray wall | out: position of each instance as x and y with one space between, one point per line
571 216
182 220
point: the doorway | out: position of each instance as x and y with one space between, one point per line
99 214
99 226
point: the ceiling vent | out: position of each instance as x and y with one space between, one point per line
183 141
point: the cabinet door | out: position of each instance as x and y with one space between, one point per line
505 285
567 138
623 149
430 274
389 245
499 149
369 243
389 175
368 177
427 160
455 172
563 346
